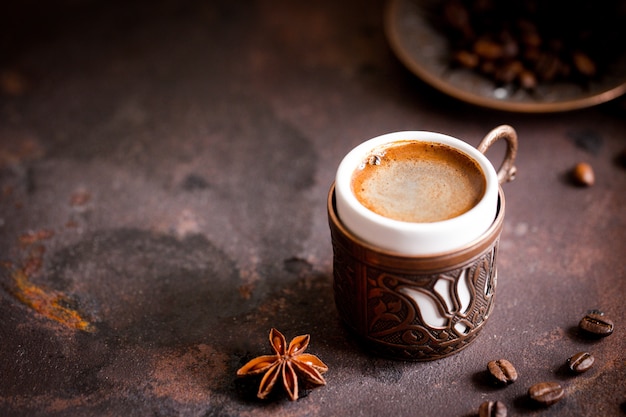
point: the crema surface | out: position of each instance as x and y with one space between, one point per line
419 182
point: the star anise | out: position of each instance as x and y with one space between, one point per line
288 362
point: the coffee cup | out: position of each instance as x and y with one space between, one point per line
418 286
417 192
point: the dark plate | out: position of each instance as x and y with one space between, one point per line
423 50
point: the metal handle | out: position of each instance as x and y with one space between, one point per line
507 170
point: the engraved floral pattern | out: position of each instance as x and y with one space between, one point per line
391 301
459 300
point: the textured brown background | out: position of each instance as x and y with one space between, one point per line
164 169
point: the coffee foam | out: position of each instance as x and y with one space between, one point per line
419 182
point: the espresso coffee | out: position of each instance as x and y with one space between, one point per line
419 182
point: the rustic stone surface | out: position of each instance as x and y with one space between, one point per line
163 177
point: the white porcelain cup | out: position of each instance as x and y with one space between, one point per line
427 238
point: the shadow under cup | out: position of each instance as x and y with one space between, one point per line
414 307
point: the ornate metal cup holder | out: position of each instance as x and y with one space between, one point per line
414 307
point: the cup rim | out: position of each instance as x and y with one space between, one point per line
400 228
433 262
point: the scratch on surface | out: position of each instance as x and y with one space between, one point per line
51 304
48 303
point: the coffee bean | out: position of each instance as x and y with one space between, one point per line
488 49
548 47
546 393
509 72
584 64
527 80
492 409
583 174
580 362
596 325
502 371
467 59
